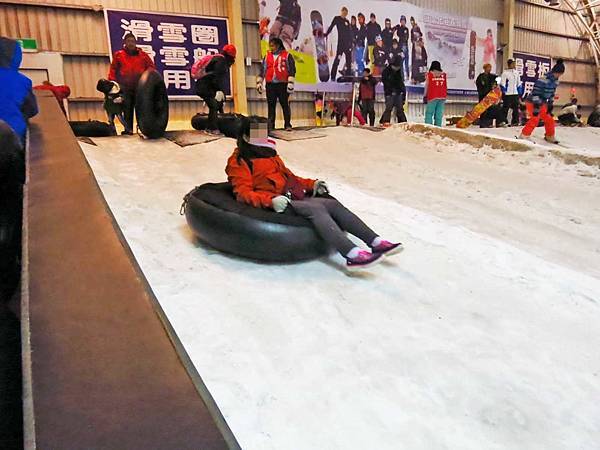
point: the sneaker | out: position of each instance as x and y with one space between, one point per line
385 124
551 139
387 248
364 259
525 138
502 125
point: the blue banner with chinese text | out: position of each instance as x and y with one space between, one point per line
530 68
173 42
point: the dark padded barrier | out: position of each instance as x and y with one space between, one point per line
152 104
91 128
99 368
229 124
218 219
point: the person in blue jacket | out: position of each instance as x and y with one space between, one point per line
17 102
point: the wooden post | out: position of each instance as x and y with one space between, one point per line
509 30
238 71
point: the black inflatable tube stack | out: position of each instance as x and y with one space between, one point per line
91 128
152 105
217 219
230 124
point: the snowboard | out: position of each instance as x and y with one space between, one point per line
472 50
320 45
491 99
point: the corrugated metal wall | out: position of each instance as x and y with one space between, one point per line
78 32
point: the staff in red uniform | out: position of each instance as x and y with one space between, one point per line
126 68
279 71
436 92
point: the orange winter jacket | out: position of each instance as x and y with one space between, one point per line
266 180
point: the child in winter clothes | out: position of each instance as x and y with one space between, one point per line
17 102
342 111
261 179
113 101
366 96
436 92
541 100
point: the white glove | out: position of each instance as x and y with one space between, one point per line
320 188
118 100
280 203
220 96
259 85
290 86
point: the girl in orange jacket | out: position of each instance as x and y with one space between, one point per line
261 179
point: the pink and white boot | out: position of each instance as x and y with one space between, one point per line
363 260
382 247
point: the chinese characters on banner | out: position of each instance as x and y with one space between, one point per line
530 68
174 43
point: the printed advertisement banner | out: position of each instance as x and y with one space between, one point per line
530 68
328 42
173 42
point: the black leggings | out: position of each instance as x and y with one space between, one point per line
128 107
278 92
331 219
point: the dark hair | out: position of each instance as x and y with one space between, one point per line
372 16
359 15
509 62
344 9
129 35
435 65
104 85
367 70
277 41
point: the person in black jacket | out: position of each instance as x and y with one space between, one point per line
287 23
395 92
373 30
387 34
211 87
594 119
403 36
360 37
380 57
344 43
485 82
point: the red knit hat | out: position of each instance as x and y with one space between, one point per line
230 50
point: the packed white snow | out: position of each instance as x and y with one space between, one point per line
482 334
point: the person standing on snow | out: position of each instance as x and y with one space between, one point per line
211 86
395 92
278 70
366 96
436 92
540 101
345 37
486 82
17 102
510 83
127 67
260 178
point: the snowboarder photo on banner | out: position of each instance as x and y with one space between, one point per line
211 82
278 71
359 42
387 34
489 48
435 94
540 101
512 89
345 37
380 57
419 62
403 34
260 178
126 68
373 30
286 25
394 91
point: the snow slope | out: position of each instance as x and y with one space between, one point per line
482 334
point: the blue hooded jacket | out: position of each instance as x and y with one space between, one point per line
17 102
544 89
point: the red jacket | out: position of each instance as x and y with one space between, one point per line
127 69
266 180
60 92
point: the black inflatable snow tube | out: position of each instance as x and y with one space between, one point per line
229 124
152 104
219 220
91 128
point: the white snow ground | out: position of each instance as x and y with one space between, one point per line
482 334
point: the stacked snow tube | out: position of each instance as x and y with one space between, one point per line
91 128
229 124
222 222
152 104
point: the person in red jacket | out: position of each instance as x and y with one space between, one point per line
260 178
61 92
126 68
436 92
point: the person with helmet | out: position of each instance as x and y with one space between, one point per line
211 86
126 68
278 70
